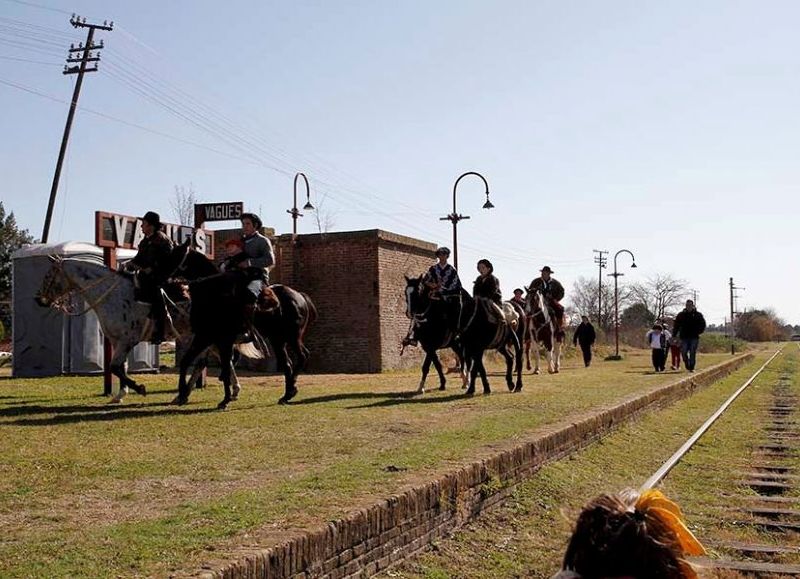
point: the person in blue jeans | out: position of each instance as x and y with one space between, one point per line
689 324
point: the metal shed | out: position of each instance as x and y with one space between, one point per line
50 343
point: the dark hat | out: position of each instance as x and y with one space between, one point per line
152 218
546 269
519 289
255 219
443 251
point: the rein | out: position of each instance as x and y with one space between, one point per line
73 286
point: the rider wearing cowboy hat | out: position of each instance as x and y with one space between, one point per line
553 292
153 267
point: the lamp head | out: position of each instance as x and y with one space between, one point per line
488 204
633 265
308 206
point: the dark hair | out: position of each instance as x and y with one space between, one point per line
254 219
487 263
519 289
442 251
613 539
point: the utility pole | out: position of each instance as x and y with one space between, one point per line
733 289
80 69
601 262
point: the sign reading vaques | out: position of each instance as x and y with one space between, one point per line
114 230
229 211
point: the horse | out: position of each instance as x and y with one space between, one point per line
544 329
124 321
431 329
284 325
481 329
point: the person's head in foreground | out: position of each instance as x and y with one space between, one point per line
628 535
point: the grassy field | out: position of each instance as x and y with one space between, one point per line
527 536
88 489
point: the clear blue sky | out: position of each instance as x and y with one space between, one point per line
668 128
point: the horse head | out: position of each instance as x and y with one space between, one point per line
190 264
535 304
417 295
55 285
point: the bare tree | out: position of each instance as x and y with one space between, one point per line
583 300
182 204
323 216
660 294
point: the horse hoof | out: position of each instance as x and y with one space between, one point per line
235 391
487 392
441 387
179 401
537 371
469 393
518 389
223 405
115 400
139 389
510 386
420 390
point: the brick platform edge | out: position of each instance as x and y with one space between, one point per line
372 539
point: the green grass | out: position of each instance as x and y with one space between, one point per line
88 489
526 537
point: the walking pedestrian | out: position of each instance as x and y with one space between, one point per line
689 324
657 341
675 352
585 336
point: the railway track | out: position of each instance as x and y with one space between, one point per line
766 496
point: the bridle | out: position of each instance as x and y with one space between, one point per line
61 301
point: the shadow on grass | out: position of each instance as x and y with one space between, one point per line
82 414
422 399
353 396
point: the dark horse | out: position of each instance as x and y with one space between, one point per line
482 329
217 314
434 328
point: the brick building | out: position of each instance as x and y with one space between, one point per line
355 279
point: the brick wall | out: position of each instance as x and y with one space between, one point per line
355 279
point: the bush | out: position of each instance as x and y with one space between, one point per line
2 331
719 343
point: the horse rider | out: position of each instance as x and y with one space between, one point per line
442 277
445 285
487 286
152 265
518 298
255 261
553 292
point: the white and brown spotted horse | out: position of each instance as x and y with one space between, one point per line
543 330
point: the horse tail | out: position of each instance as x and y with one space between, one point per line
312 311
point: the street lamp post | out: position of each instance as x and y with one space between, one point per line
294 212
455 216
616 275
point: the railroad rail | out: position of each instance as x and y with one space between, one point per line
770 476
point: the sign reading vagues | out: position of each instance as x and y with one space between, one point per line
114 230
230 211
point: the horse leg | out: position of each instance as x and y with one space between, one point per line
557 357
482 370
117 367
438 365
426 366
198 345
285 364
509 365
537 357
473 372
226 361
